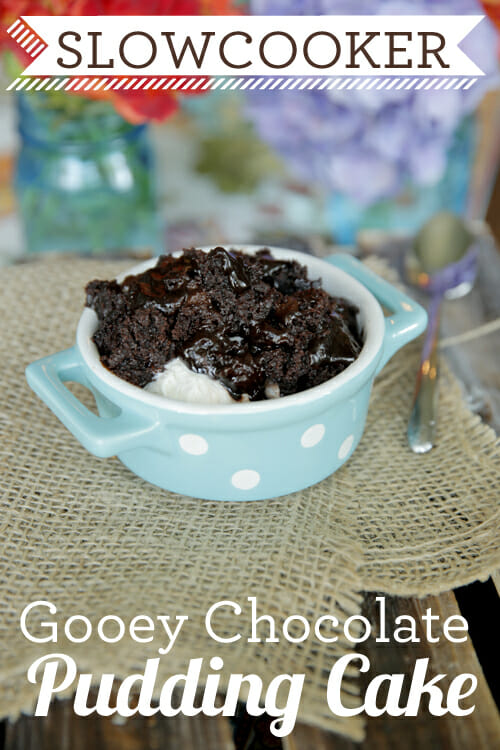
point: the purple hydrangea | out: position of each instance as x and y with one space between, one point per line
368 144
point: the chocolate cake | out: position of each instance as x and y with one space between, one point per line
255 323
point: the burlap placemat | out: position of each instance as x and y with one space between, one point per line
94 539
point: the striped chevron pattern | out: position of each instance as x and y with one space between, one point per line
203 83
26 38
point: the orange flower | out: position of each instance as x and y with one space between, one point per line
492 8
135 106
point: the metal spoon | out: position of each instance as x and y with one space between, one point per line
444 265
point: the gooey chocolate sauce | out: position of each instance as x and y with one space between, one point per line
249 321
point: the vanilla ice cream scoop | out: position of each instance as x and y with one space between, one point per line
178 382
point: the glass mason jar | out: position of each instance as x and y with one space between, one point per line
406 212
84 177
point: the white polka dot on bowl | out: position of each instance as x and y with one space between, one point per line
312 436
346 447
246 479
193 444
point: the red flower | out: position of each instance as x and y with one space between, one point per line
135 106
492 8
134 8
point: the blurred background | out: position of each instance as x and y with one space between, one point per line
76 177
135 173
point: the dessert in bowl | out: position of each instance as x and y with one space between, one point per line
223 326
246 448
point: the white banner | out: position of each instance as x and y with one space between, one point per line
98 47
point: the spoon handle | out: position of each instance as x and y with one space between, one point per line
422 425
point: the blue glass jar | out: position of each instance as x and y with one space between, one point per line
85 178
406 212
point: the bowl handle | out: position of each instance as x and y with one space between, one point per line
408 319
102 436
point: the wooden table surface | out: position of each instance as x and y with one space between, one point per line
477 364
62 730
479 603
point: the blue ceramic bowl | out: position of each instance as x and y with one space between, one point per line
244 451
